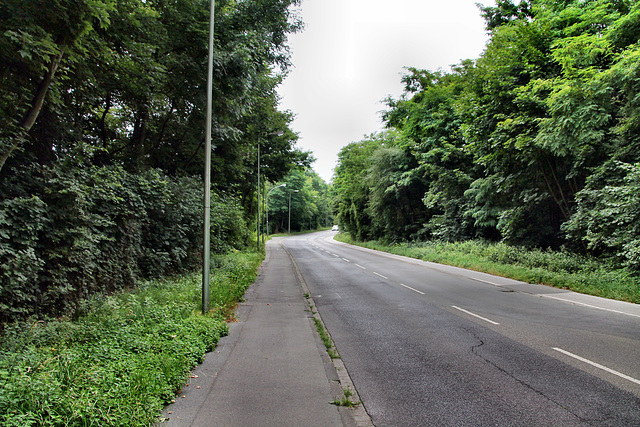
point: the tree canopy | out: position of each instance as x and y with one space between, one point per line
109 82
102 119
534 143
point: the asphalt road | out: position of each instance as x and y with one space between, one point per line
432 345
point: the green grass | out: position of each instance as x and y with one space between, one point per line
124 357
560 269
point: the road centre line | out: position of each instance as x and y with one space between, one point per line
359 266
380 275
475 315
409 287
590 306
344 259
597 365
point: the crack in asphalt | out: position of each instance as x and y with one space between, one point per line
474 350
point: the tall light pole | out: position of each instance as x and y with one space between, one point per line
292 191
267 204
258 192
277 133
206 253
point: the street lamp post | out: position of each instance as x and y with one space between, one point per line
258 223
293 191
206 262
258 192
267 203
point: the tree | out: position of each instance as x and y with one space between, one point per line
351 186
35 38
505 143
133 94
308 196
430 129
102 110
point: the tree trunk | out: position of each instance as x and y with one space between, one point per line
36 105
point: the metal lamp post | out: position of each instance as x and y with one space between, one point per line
267 203
258 192
293 191
258 223
206 262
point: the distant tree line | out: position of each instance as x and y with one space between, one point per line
102 117
306 197
535 143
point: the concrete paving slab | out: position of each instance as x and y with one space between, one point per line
269 371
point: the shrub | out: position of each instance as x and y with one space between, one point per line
69 233
21 221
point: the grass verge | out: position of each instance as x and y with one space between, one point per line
125 356
554 268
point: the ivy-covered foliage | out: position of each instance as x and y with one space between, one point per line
102 122
67 233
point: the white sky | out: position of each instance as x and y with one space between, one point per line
351 55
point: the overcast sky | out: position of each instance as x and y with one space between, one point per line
351 55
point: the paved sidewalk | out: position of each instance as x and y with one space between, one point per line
272 369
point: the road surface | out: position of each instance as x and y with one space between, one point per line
427 344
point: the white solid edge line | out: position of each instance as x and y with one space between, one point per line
486 281
590 305
597 365
475 315
414 290
378 274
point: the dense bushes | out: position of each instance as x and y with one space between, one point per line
608 214
68 233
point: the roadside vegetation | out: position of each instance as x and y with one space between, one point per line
124 357
533 147
346 401
102 120
560 269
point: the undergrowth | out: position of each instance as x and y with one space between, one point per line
560 269
123 358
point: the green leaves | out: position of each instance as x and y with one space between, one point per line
607 217
508 146
96 230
